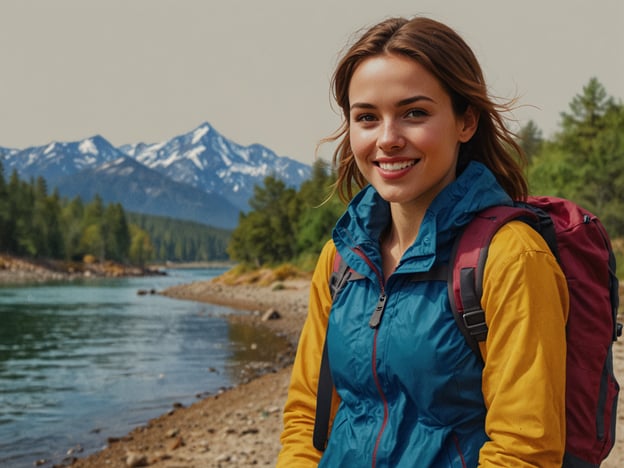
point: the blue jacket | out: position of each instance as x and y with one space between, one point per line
411 385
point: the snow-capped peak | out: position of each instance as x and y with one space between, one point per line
199 133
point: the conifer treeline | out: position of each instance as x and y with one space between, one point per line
182 241
286 225
37 224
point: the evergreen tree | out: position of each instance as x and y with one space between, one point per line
530 140
319 213
93 240
6 227
285 225
23 211
585 160
55 242
177 240
116 233
72 215
266 234
141 248
41 219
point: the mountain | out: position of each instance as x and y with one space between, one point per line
6 152
58 160
142 190
200 175
207 160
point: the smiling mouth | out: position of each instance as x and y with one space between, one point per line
397 166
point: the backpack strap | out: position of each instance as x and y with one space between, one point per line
614 284
323 403
468 257
341 274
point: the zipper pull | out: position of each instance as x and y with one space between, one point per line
379 309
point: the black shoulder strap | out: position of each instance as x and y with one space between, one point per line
339 277
323 403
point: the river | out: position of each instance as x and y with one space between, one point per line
84 361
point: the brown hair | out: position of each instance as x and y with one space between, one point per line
444 54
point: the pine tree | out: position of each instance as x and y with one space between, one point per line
266 234
6 227
585 160
530 140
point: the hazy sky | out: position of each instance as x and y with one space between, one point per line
258 70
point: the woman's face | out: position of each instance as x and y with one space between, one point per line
403 131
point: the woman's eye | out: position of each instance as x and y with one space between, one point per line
416 113
365 118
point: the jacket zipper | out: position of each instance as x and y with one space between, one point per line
374 322
383 400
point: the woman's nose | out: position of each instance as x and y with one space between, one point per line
390 138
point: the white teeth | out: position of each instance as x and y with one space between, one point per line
396 166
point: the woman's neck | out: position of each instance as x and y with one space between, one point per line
399 236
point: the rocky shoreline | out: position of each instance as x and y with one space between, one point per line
240 427
16 270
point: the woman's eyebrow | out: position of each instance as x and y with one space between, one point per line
361 105
413 99
401 103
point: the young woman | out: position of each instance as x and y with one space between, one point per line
429 149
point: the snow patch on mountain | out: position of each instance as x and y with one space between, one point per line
194 155
88 147
49 148
199 133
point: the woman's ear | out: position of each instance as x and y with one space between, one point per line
469 122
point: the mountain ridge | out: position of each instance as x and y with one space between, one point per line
196 175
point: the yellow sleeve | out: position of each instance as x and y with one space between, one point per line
525 298
299 412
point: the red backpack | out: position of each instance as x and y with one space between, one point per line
581 245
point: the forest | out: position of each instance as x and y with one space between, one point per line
182 241
583 161
37 224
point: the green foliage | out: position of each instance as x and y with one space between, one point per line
285 225
585 160
530 140
72 221
265 235
37 224
158 238
116 233
141 248
319 211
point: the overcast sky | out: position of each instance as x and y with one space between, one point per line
258 70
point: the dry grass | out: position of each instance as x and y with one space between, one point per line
242 275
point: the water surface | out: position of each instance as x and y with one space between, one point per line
84 361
